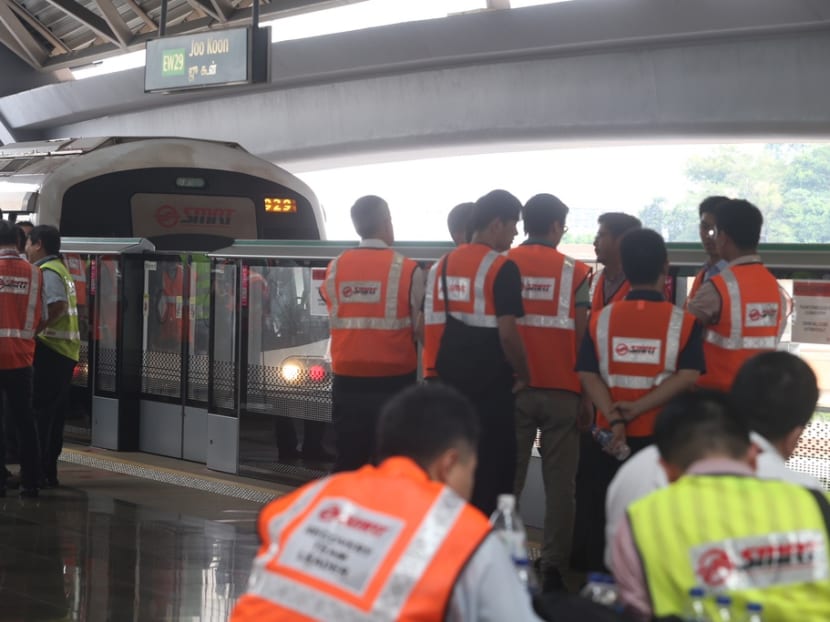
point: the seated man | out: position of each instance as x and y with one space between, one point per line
776 395
719 527
393 542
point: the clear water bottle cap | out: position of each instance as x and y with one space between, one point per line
755 607
506 502
697 592
723 599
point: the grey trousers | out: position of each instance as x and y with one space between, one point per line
554 414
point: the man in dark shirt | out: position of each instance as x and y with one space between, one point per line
481 351
637 354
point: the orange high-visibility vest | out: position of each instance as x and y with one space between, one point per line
367 293
21 310
77 270
700 278
598 297
434 320
638 343
549 283
751 313
381 543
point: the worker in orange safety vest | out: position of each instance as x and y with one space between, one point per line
556 301
373 295
21 316
396 542
638 354
714 264
742 308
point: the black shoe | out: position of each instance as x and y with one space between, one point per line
30 493
552 582
12 481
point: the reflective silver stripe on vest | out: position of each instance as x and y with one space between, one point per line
479 315
736 341
28 330
433 530
562 319
62 334
431 316
390 321
630 381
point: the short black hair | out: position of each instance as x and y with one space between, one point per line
48 236
710 205
423 421
698 424
541 211
25 223
369 214
618 222
495 205
459 219
21 238
741 221
8 233
643 254
775 392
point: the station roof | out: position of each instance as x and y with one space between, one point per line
57 34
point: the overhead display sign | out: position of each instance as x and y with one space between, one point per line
177 214
216 58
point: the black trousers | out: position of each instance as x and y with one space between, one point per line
356 404
52 379
595 472
16 387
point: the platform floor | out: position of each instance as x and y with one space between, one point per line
131 537
112 546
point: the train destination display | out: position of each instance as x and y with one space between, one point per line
215 58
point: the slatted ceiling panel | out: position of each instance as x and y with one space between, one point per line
86 45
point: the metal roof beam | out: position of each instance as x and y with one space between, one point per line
140 13
224 9
87 18
116 22
40 28
26 42
207 9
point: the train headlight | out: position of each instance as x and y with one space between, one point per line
291 371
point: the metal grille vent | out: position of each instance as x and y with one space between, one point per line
304 396
161 373
812 456
105 370
223 383
197 380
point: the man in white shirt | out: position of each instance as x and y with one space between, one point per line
776 394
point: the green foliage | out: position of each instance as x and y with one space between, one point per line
789 183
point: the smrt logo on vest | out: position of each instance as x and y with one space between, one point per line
629 350
333 513
537 288
14 285
458 289
761 314
757 562
360 291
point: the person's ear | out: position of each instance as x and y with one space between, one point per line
751 457
673 473
790 441
445 464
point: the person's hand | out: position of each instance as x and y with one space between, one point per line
627 410
618 440
585 418
519 385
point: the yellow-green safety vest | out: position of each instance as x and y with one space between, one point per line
64 336
757 540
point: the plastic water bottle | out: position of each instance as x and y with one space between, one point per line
602 590
723 604
509 528
754 613
603 437
696 609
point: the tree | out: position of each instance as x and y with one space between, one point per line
806 196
